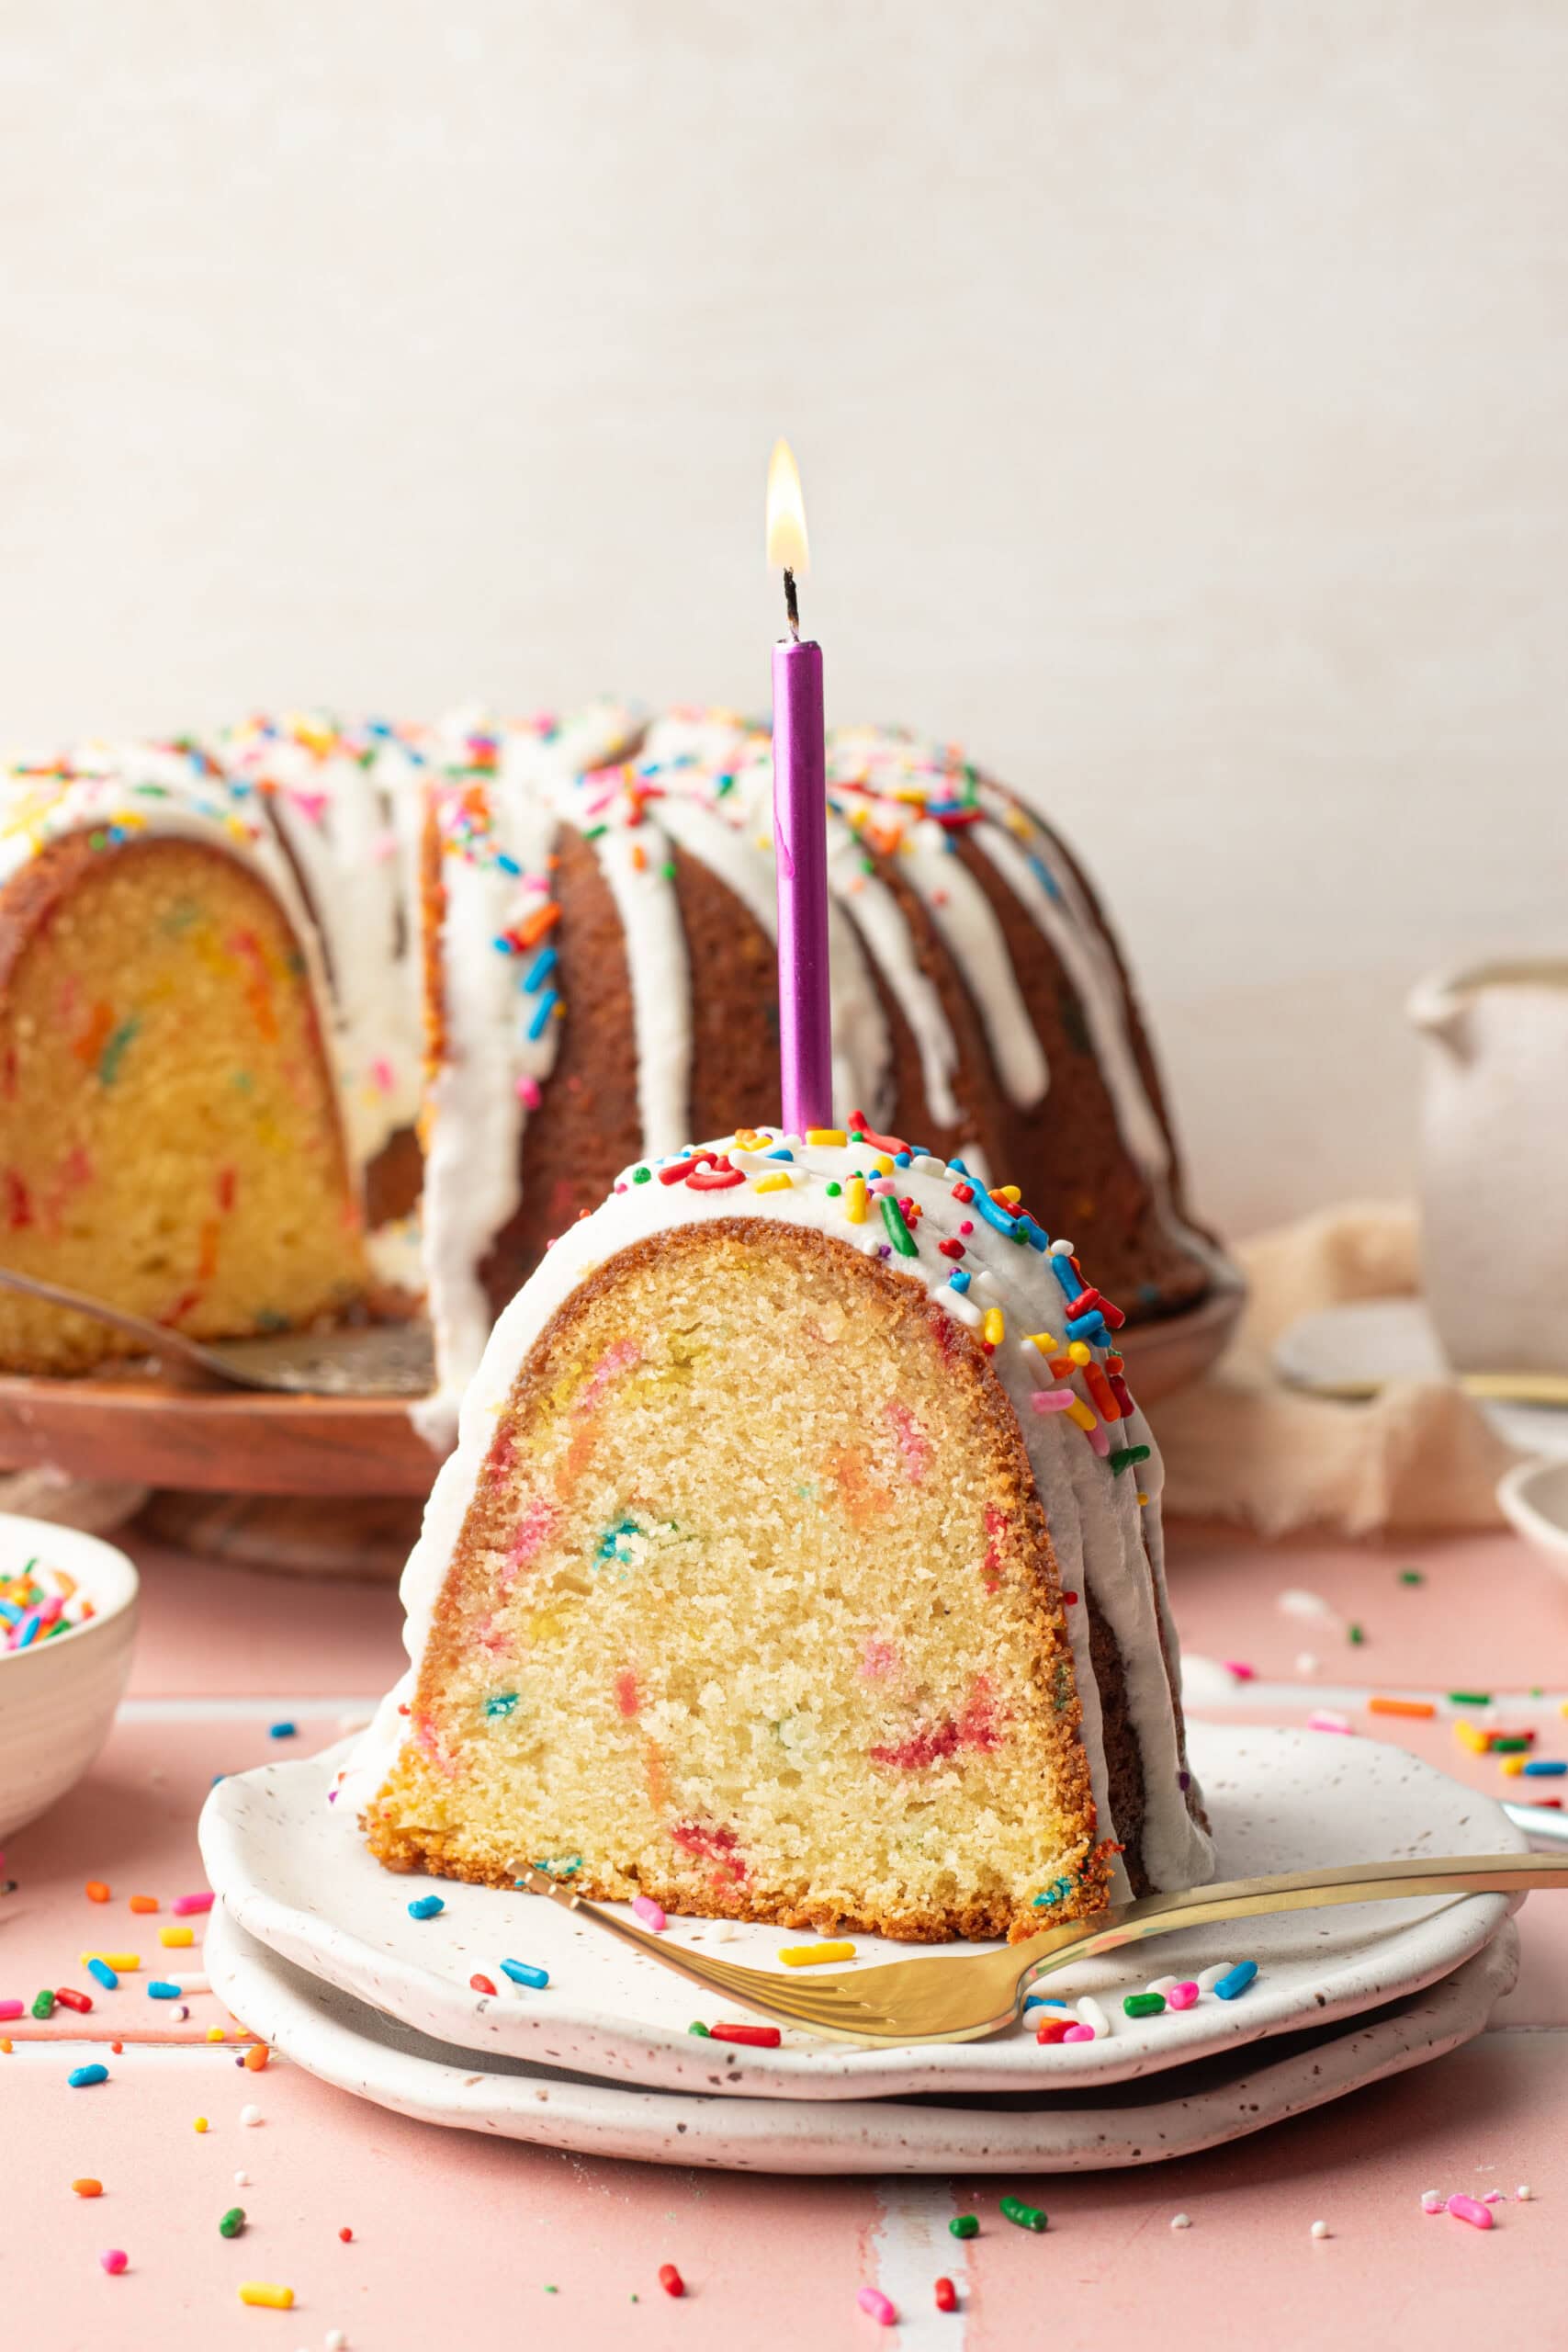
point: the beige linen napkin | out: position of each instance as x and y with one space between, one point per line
1240 1446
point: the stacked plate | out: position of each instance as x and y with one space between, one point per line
313 1946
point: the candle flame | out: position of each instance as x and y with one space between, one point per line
787 549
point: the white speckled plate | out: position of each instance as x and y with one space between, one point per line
297 1875
363 2052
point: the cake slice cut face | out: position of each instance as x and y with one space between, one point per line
169 1131
755 1611
751 1604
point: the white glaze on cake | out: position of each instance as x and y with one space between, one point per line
497 802
1107 1543
345 806
346 803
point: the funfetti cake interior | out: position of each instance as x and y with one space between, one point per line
800 1561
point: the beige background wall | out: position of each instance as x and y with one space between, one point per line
1179 389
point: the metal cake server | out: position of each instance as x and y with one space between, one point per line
363 1360
960 2000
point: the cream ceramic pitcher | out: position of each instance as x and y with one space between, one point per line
1493 1163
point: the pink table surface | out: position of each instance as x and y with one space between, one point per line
456 2238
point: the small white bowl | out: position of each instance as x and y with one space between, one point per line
1534 1499
58 1698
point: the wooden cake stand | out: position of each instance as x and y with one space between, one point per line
316 1485
335 1485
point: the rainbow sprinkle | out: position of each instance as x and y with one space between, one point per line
39 1604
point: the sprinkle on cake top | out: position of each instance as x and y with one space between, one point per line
957 1236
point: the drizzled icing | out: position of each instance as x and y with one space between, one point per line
346 802
498 799
341 810
1106 1541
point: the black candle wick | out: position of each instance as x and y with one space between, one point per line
792 604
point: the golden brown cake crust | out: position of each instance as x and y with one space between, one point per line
406 1844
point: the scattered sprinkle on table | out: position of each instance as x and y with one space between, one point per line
115 2260
671 2279
1295 1602
231 2224
143 1902
1236 1982
87 2188
198 2123
70 1999
127 1961
176 1938
270 2297
1182 1995
815 1955
481 1984
1319 2230
281 1731
184 1905
159 1989
82 2078
757 2037
649 1913
1144 2004
256 2057
946 2295
1417 1707
1327 1719
250 2115
426 1907
873 2299
521 1973
1022 2216
1181 2220
13 2008
102 1974
1411 1576
1471 2210
965 2225
98 1892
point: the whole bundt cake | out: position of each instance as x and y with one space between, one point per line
799 1561
260 995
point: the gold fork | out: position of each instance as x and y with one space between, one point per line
960 1999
